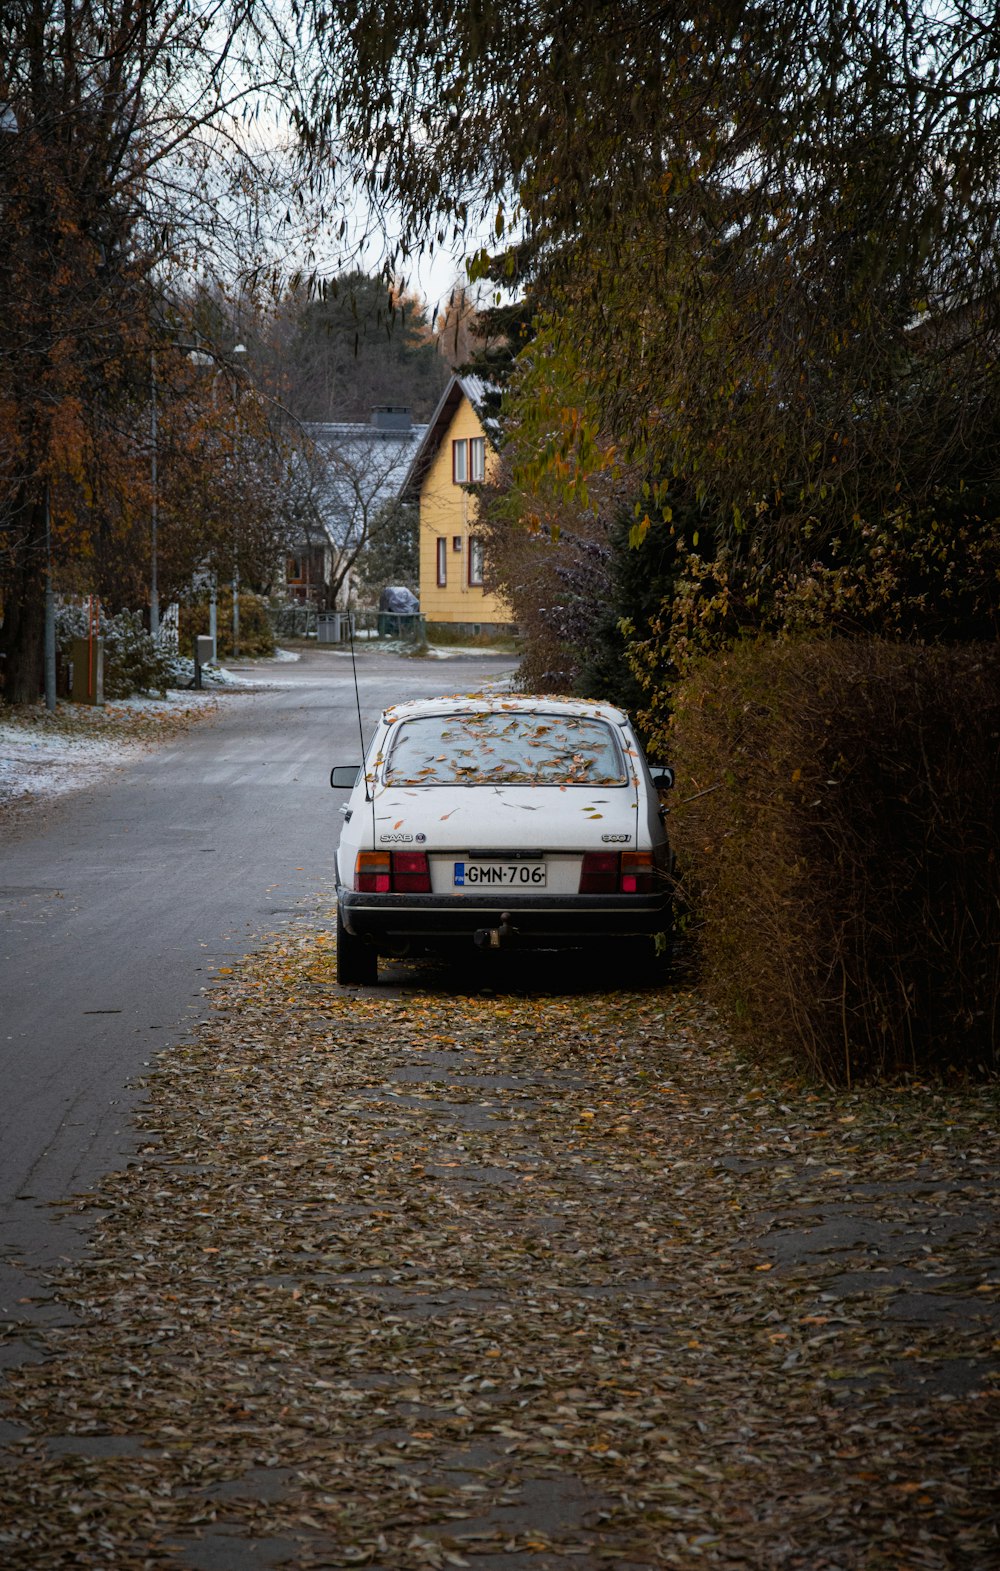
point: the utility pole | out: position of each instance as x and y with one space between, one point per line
50 610
154 591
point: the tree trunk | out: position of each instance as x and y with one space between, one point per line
22 636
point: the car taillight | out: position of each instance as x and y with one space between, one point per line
637 875
371 872
396 872
607 873
410 873
599 873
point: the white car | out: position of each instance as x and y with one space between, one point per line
505 822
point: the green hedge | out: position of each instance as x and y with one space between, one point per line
835 818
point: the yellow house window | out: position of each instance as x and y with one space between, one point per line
475 560
468 460
442 562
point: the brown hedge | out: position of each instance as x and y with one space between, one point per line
256 631
835 819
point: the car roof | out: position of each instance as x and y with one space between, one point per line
504 703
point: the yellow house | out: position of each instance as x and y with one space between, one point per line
454 454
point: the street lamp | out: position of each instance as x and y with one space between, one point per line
197 357
238 349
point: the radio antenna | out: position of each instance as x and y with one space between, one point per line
357 701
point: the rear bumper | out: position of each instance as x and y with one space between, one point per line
534 921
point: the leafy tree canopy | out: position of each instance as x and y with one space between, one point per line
129 157
768 233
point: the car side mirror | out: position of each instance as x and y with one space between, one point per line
663 777
344 777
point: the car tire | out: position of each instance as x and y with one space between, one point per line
357 962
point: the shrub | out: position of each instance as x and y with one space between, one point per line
133 661
836 822
462 635
256 630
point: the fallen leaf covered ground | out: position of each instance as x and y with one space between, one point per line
518 1274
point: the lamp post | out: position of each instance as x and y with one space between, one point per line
238 349
197 357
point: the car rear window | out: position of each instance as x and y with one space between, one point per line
505 748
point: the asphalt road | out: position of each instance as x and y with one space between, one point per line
117 904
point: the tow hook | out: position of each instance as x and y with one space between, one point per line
496 937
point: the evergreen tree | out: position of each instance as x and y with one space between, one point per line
356 345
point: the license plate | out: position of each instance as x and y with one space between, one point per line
499 875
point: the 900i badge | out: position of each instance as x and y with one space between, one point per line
616 840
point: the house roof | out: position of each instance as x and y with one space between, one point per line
367 458
471 387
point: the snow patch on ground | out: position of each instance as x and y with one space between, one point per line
391 646
145 704
35 767
244 674
38 764
459 651
219 676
